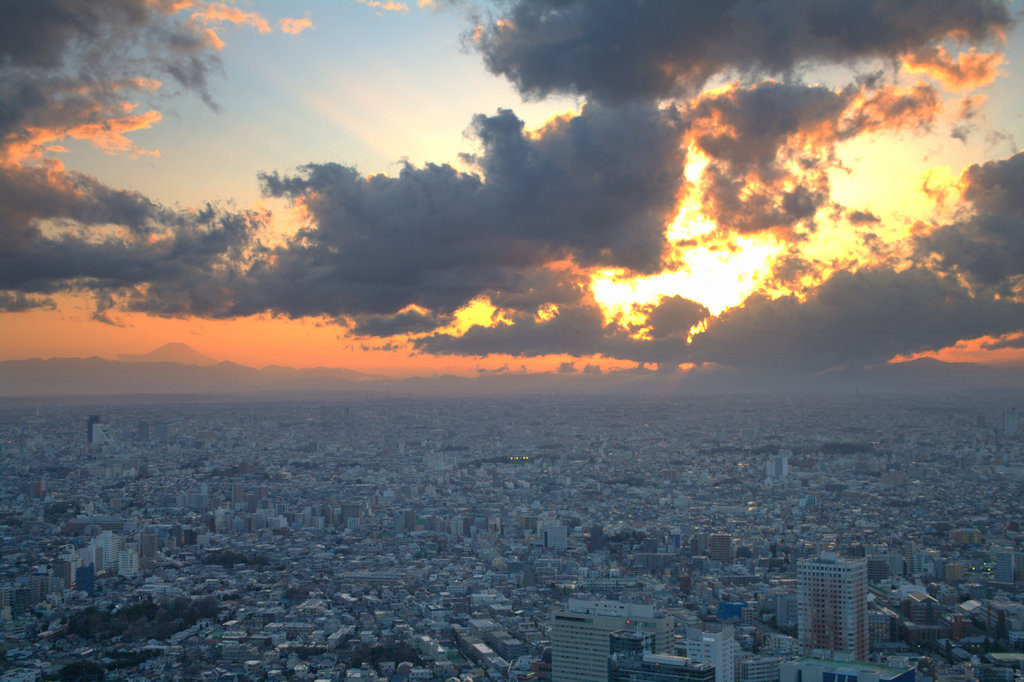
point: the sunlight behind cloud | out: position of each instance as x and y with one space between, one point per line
478 312
718 273
719 278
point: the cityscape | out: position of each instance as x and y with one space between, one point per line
512 340
384 537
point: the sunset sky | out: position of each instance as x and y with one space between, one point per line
574 186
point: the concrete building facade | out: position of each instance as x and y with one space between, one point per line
580 636
832 595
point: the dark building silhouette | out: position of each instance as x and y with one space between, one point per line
94 419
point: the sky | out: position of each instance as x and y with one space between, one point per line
580 186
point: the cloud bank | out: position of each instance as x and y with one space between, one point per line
688 109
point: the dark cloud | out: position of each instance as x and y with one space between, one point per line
38 33
29 195
598 188
790 268
854 319
673 316
751 125
580 331
108 38
617 50
601 184
66 65
863 218
772 145
987 244
407 322
16 302
530 289
567 368
1011 342
399 255
736 205
70 232
748 134
77 69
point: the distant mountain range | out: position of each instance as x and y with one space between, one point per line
178 369
172 352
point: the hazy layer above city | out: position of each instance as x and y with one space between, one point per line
178 369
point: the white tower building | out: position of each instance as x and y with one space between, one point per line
717 648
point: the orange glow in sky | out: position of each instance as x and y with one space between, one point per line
715 272
362 158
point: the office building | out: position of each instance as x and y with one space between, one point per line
1010 422
128 563
720 547
759 669
580 636
556 537
718 649
96 431
787 610
1006 566
832 595
94 419
777 467
85 579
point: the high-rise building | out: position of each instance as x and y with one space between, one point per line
720 547
1006 564
148 545
832 592
777 466
580 636
699 544
85 579
64 571
718 649
128 563
237 495
556 537
96 431
94 419
787 610
106 548
1010 422
405 521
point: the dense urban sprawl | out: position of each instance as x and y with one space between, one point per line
388 538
